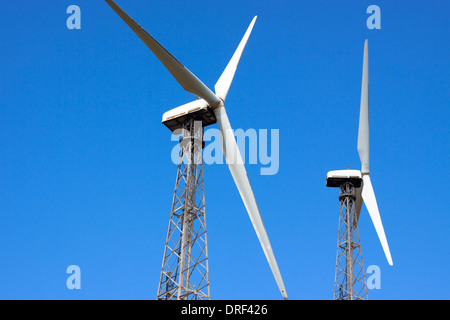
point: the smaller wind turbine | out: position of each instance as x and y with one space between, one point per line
356 188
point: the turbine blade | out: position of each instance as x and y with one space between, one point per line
235 164
363 132
182 75
371 204
223 84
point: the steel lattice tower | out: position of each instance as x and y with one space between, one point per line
350 279
184 272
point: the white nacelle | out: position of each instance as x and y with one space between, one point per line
198 109
337 177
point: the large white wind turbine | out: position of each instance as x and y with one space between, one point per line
211 109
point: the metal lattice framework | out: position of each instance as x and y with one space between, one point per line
184 272
350 279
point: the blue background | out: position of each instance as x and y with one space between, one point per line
85 170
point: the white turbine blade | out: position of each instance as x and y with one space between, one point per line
223 84
182 75
363 132
371 205
235 164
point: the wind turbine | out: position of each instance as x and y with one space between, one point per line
180 264
356 188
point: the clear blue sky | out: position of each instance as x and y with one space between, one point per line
85 170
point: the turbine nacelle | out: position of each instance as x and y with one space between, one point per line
337 177
198 110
